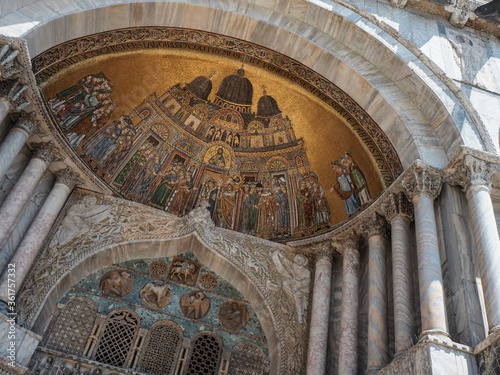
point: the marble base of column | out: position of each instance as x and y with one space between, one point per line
488 250
348 352
28 249
320 311
432 306
19 195
378 344
402 284
10 147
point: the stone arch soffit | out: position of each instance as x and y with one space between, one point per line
329 55
132 231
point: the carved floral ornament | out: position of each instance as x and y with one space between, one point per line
98 222
471 170
423 180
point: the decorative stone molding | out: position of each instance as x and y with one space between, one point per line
399 3
126 221
423 180
7 369
69 178
8 63
46 151
398 204
461 12
376 226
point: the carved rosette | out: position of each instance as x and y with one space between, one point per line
47 152
8 63
376 226
398 205
69 178
423 180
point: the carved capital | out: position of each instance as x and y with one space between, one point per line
399 3
15 92
398 204
472 171
47 152
376 226
323 250
8 63
26 123
69 178
350 241
423 180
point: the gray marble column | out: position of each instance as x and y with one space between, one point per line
422 187
399 213
20 193
348 351
29 247
320 310
13 143
475 177
378 343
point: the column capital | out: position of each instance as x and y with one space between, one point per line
350 241
27 122
398 205
69 178
15 91
323 250
8 62
470 171
375 226
423 180
46 151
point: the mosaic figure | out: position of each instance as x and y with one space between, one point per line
218 159
250 209
345 188
360 185
305 204
182 193
266 204
321 208
226 204
281 211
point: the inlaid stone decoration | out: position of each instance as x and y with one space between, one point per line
194 304
116 284
158 269
244 138
207 282
184 271
233 315
156 295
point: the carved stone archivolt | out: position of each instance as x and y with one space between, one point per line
194 304
156 295
233 315
116 284
128 221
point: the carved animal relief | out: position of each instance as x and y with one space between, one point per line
233 315
156 295
184 271
194 304
116 284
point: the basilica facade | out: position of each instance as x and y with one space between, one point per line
245 187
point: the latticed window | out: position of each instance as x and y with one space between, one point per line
117 338
205 356
162 348
247 358
71 329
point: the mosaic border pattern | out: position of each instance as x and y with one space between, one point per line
66 54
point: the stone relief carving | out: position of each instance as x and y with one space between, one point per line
116 284
184 271
233 315
423 180
158 269
156 295
194 304
8 62
398 204
207 282
297 280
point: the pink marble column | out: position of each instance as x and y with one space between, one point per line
399 213
348 352
320 310
475 176
13 143
20 193
423 186
378 343
28 249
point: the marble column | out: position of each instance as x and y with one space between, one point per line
5 109
13 142
29 247
348 351
320 310
475 176
20 193
399 213
378 342
422 187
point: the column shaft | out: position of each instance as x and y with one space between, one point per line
19 195
28 249
432 305
402 283
377 304
348 352
488 249
10 147
5 109
320 311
